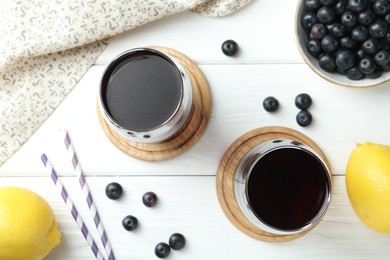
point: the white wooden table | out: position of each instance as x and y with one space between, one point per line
268 64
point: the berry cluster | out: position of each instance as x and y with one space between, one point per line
302 101
349 37
162 250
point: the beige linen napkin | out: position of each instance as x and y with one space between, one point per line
46 46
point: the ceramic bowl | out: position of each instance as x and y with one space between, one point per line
301 39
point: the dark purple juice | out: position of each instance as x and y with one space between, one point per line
287 188
142 90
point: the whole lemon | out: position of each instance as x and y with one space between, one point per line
28 228
368 185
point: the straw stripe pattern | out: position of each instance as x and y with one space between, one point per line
88 196
68 201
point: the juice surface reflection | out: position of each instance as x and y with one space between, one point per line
287 188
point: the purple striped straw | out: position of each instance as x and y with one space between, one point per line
68 201
88 196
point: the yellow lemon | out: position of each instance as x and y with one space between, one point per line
28 228
368 185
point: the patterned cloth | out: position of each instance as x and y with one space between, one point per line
46 46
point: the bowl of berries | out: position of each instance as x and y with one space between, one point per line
346 42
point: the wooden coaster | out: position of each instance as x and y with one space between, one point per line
228 167
187 136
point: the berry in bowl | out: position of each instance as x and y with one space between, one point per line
346 42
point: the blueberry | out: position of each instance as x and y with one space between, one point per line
345 59
318 31
382 57
354 74
386 39
308 20
385 46
381 7
340 7
338 30
367 65
387 18
327 63
114 190
359 33
270 104
385 68
303 101
326 15
329 43
371 46
360 54
378 29
376 73
177 241
357 5
229 48
304 118
162 250
312 5
347 43
340 71
313 46
348 19
328 2
149 199
366 17
130 223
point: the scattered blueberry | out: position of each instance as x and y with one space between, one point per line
304 118
270 104
149 199
130 223
303 101
114 190
229 48
162 250
177 241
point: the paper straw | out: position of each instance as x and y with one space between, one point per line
68 201
88 196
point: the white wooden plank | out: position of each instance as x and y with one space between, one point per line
342 118
189 205
263 29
